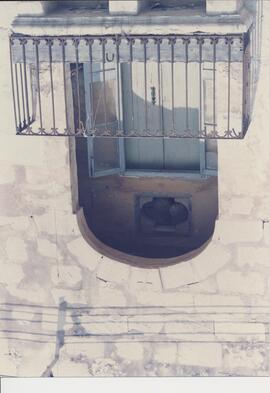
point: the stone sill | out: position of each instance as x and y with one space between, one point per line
158 22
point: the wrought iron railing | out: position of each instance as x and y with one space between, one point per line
200 85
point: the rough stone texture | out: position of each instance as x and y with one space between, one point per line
131 351
11 273
204 317
238 231
240 331
16 249
200 354
66 276
84 254
166 353
112 271
143 279
177 276
47 248
241 206
253 257
207 263
242 358
237 282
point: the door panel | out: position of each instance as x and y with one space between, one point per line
104 153
141 153
158 154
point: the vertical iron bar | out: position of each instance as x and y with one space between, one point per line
24 42
90 55
117 43
76 42
158 41
33 117
36 43
172 42
215 40
244 85
18 97
200 83
130 43
186 41
103 42
50 43
22 90
144 41
229 42
63 44
12 83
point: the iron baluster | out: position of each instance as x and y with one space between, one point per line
36 42
63 43
11 43
49 42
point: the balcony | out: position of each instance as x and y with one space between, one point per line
128 86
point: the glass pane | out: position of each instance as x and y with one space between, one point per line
106 153
211 154
104 105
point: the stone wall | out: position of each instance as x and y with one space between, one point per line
67 310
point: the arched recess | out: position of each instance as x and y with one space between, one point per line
147 202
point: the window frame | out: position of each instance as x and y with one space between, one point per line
121 169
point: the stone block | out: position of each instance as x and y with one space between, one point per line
11 273
68 276
244 231
213 258
148 325
144 279
206 286
242 206
107 328
8 174
200 354
66 367
106 368
32 292
70 296
234 331
89 350
244 356
217 301
16 249
165 353
66 223
35 358
47 248
253 256
177 275
130 351
85 255
44 223
109 297
189 327
237 282
169 299
113 271
13 144
7 365
266 233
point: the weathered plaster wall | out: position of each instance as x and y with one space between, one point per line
55 288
